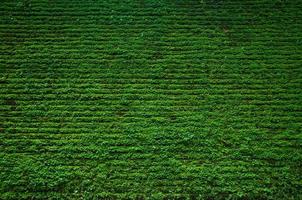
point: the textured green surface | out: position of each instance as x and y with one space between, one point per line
150 99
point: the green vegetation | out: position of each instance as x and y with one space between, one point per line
150 99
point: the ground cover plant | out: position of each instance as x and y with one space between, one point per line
150 99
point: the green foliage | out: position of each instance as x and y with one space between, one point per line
145 99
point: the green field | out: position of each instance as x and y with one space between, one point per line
151 99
